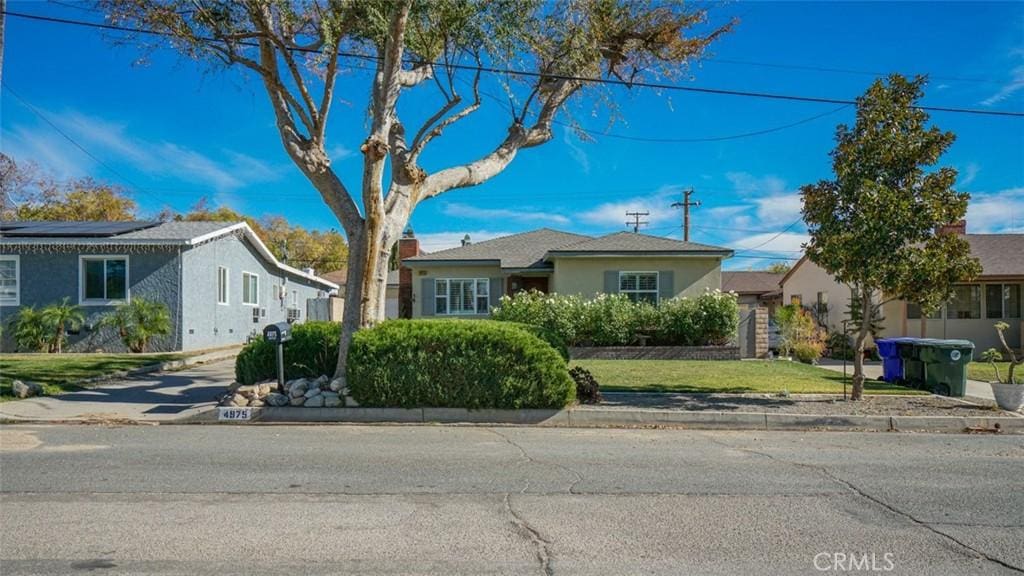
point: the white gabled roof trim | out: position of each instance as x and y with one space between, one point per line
261 248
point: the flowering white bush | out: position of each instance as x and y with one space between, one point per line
615 320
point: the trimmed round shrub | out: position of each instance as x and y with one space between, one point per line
807 352
456 363
312 351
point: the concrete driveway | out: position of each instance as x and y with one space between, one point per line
873 370
159 397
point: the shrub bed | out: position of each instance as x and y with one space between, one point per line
312 351
613 320
456 363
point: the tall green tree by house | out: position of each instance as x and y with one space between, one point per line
419 49
876 226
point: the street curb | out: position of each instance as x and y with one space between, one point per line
619 418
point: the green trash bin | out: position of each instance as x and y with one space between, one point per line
913 367
945 366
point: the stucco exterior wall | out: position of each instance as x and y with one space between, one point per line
46 278
585 276
807 280
979 330
433 272
207 324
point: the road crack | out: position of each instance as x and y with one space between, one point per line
530 459
877 501
531 534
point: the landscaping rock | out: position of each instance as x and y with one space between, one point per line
297 384
256 402
321 381
337 384
263 389
247 390
239 400
25 389
312 392
297 401
275 399
297 392
332 401
351 402
314 402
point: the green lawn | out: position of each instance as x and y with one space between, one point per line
983 371
724 377
60 372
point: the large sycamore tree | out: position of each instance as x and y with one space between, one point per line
877 226
431 50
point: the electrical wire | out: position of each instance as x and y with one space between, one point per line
531 74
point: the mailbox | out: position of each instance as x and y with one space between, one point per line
277 333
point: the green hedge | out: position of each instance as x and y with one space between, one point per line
312 351
614 320
456 363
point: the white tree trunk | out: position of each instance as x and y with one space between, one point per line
858 349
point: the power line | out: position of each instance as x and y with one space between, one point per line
829 69
531 74
783 231
637 223
74 142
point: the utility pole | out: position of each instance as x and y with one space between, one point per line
685 205
637 223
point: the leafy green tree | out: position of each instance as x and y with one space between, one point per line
58 319
778 267
30 331
876 225
421 51
139 321
29 194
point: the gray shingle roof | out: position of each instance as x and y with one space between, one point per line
630 242
999 254
751 282
176 231
526 250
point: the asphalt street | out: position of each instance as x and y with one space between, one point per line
475 500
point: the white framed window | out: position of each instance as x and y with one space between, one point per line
1002 301
639 286
10 280
462 296
103 280
250 289
222 286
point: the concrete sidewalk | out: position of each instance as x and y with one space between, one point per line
158 397
873 370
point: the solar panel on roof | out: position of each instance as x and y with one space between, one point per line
44 229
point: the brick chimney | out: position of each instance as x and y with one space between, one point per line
408 246
959 228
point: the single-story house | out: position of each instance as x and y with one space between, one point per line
470 279
398 296
977 305
340 278
754 288
218 280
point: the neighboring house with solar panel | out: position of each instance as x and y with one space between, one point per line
468 281
218 280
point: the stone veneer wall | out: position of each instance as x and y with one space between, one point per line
760 332
658 352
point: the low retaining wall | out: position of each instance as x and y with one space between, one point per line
656 352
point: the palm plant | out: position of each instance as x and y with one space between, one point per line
59 318
30 332
138 321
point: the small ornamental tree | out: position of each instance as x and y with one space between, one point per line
877 225
433 55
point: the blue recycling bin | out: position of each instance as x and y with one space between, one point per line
892 362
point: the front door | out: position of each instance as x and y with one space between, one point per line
539 283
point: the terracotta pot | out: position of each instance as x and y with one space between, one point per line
1008 396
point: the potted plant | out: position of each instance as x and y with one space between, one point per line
1009 394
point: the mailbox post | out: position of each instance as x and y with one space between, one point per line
277 334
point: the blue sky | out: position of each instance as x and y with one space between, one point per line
173 131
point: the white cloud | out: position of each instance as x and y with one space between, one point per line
658 204
1015 84
746 183
970 172
1001 211
339 153
114 145
467 211
576 151
786 244
435 241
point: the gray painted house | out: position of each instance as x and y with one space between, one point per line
219 281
